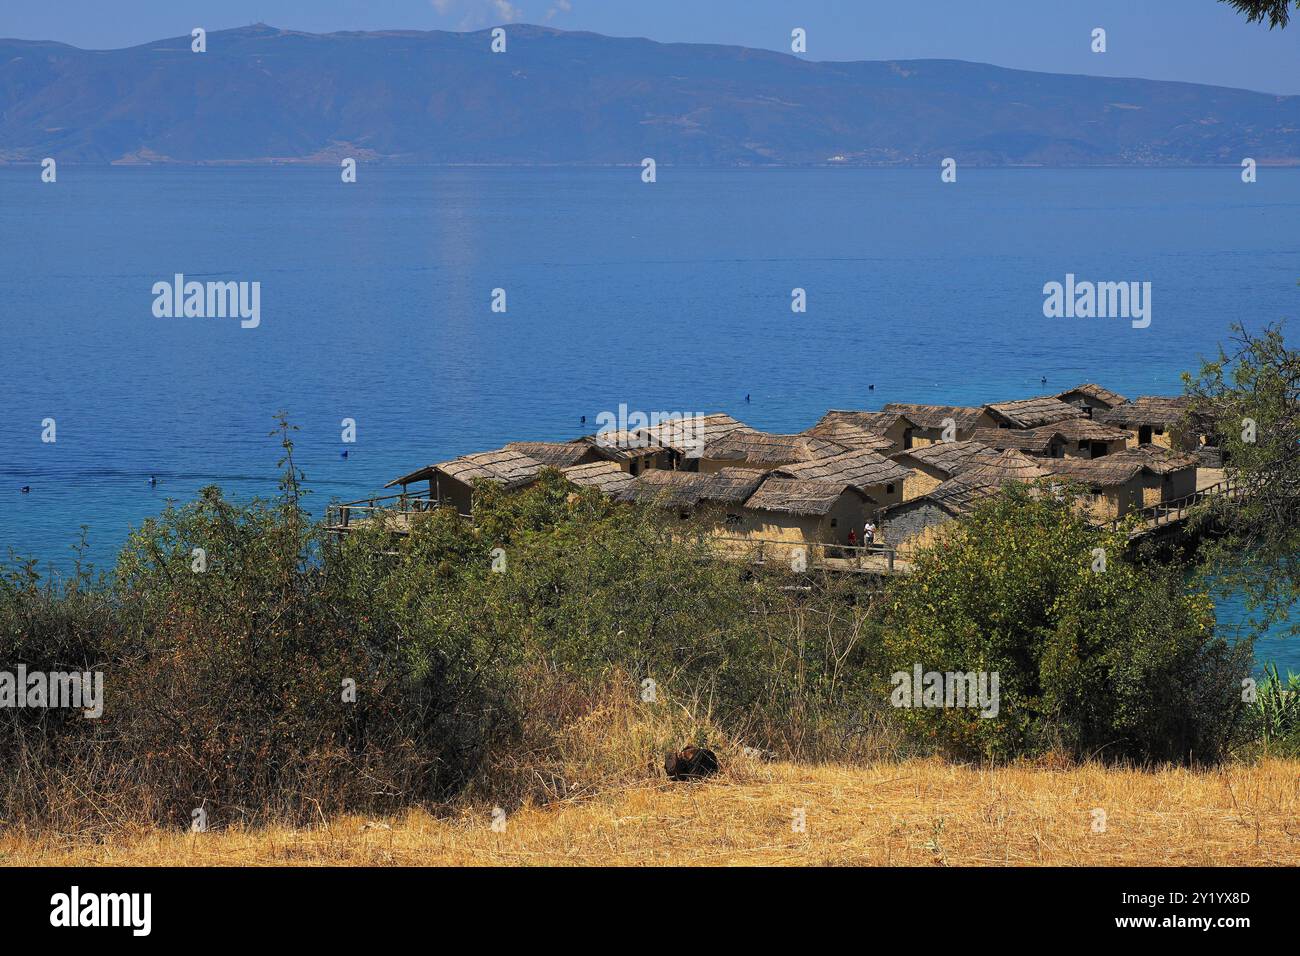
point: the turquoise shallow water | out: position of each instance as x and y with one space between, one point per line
673 296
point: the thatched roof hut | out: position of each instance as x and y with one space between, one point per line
766 449
1159 459
1089 396
1148 410
1032 412
958 496
668 489
849 435
1010 465
1163 420
505 466
1085 429
605 476
688 490
735 485
617 445
1043 441
932 417
877 423
557 454
690 435
1107 472
1172 473
798 496
892 426
947 458
862 469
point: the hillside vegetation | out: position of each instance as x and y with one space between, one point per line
291 677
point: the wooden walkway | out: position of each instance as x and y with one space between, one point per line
394 511
874 559
1169 513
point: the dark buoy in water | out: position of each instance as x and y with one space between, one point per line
871 388
27 489
344 453
747 396
584 420
1043 380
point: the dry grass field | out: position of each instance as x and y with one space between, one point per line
917 813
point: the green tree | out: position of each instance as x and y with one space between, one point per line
1251 397
1115 659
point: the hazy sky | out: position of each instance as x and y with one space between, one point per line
1202 41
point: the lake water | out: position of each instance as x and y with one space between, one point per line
674 296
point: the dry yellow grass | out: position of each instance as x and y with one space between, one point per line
916 813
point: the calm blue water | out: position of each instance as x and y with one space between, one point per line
671 296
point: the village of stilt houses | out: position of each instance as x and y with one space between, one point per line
859 491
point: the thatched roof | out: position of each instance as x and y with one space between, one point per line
1032 412
859 468
849 435
557 454
1084 429
1095 392
949 457
983 479
690 489
1157 458
766 448
1106 472
1032 441
932 416
691 434
1147 410
734 485
504 466
800 497
959 495
876 423
605 476
617 445
1009 465
669 489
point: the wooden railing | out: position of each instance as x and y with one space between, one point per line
339 517
815 553
1167 512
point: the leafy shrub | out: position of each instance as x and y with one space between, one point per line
1121 662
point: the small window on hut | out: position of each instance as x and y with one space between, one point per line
835 522
889 489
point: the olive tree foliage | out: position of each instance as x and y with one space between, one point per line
1250 395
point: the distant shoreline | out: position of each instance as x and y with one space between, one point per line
400 164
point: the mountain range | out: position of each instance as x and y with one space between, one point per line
262 94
